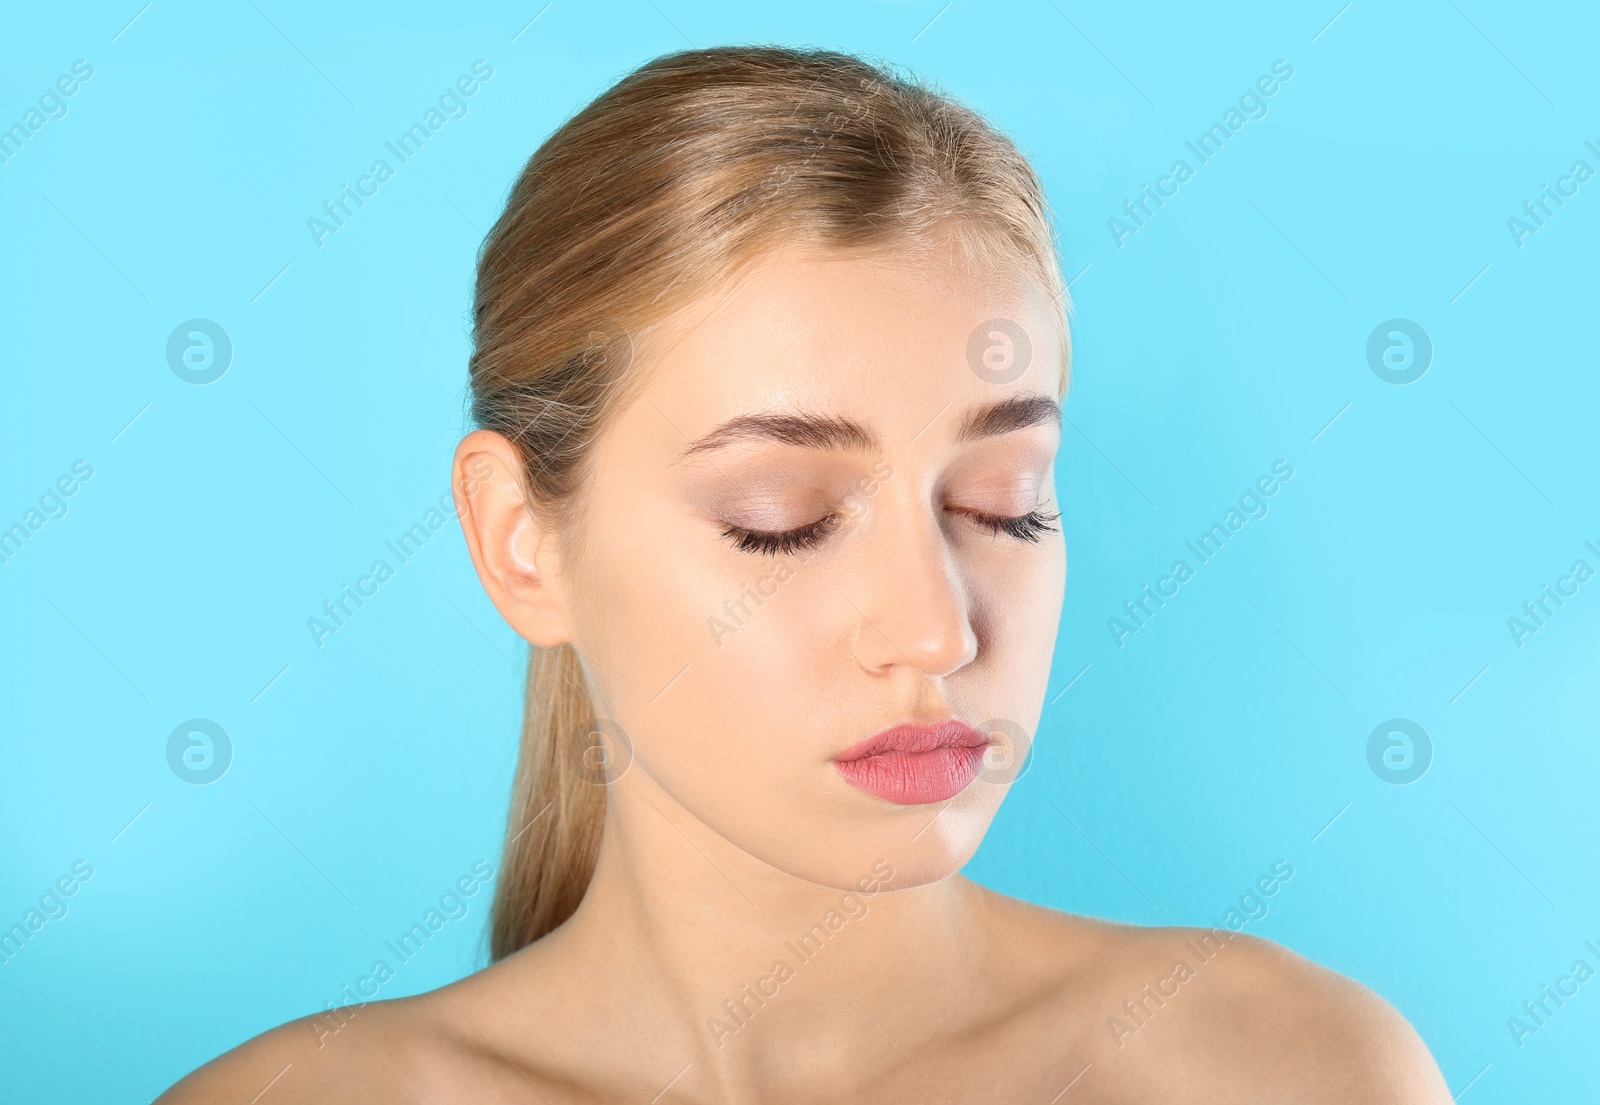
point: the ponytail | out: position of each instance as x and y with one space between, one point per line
557 806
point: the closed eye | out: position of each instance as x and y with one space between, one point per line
765 543
1022 527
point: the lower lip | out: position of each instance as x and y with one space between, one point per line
915 778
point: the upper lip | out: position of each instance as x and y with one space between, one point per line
950 733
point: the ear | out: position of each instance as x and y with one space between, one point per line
516 556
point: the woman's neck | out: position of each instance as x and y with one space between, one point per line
736 967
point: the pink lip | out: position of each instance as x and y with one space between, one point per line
915 764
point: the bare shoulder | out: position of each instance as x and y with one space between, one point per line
1194 1014
1245 1013
1336 1027
343 1055
397 1052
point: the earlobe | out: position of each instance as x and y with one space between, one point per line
516 555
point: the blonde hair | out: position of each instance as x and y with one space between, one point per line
687 168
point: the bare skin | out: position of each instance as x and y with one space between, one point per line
731 836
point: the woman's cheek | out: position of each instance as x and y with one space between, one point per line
644 618
748 629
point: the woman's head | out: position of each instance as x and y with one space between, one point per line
749 293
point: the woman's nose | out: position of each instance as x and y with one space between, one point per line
910 596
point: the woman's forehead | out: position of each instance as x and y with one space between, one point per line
797 320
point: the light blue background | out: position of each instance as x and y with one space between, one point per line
370 773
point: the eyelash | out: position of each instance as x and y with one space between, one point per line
1025 527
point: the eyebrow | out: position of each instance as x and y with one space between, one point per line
818 431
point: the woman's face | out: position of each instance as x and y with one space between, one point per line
869 393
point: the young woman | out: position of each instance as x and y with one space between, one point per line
770 347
